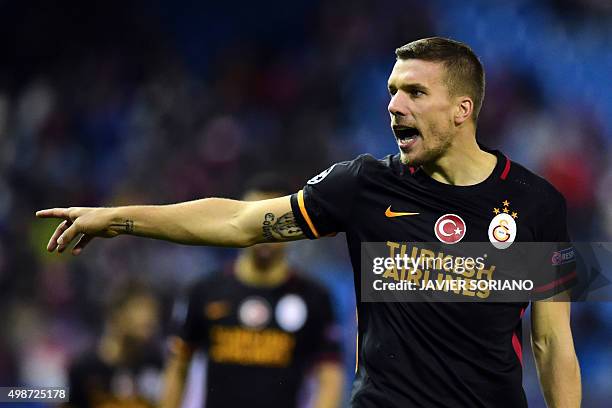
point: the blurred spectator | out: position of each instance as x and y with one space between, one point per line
125 102
124 370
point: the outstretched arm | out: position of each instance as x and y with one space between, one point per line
553 348
209 221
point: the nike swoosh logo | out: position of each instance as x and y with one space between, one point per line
391 214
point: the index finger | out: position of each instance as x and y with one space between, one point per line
53 213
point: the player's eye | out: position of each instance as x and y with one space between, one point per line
392 91
416 93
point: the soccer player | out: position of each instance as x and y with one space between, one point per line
262 326
441 186
126 365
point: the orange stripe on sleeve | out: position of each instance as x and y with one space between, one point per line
300 198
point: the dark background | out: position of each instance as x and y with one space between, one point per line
156 102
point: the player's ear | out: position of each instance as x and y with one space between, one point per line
463 109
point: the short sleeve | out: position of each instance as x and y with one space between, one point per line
189 317
329 333
323 206
76 379
559 261
553 223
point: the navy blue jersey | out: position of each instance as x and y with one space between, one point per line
433 354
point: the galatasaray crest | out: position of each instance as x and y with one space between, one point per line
502 229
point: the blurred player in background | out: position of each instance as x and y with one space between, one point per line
125 369
411 353
263 328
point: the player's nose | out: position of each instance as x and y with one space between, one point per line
396 106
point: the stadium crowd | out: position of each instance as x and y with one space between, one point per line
130 103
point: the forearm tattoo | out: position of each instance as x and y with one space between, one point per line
281 228
127 226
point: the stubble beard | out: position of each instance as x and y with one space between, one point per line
440 141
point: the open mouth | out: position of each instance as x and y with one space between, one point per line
405 135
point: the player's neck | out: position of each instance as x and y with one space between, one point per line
250 274
463 164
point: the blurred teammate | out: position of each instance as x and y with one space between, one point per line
263 328
125 369
442 186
